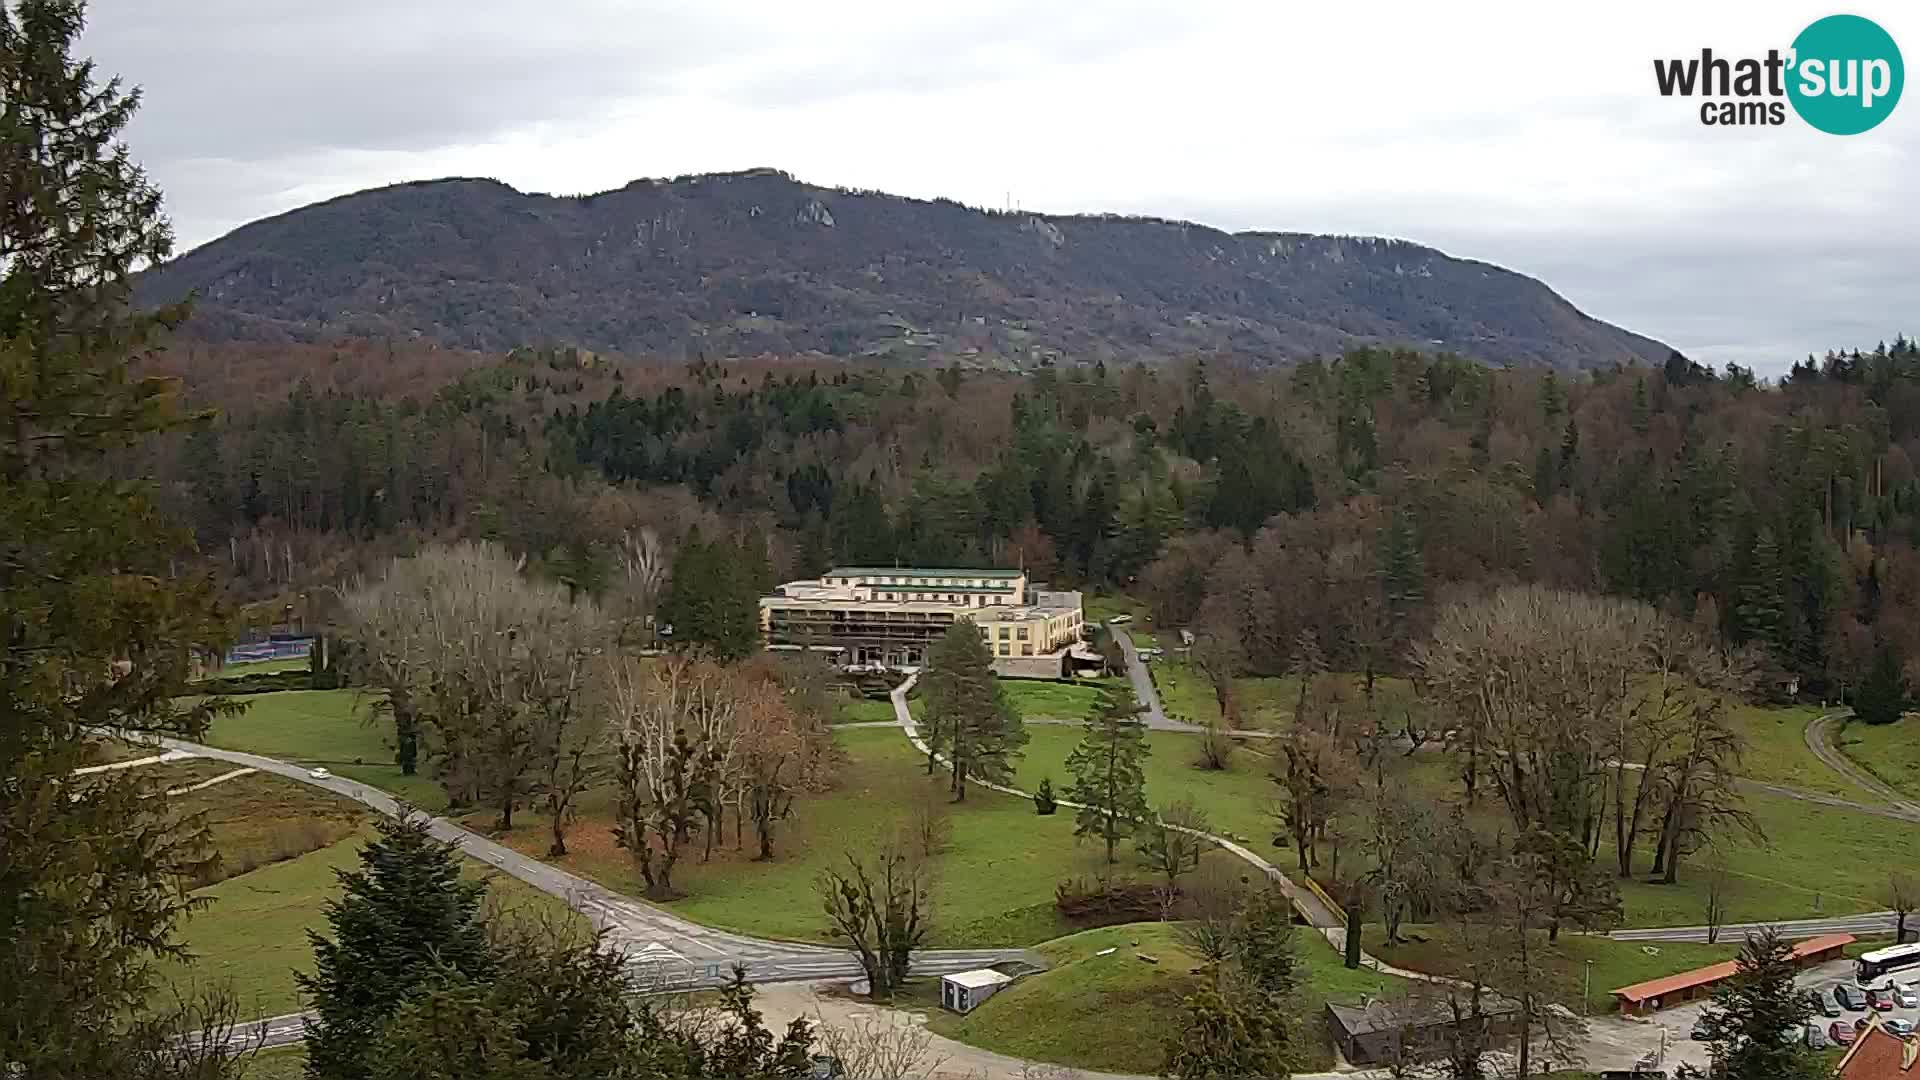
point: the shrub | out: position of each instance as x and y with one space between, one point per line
263 682
1105 903
1044 803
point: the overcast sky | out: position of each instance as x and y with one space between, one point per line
1526 134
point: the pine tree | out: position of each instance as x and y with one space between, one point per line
1109 780
406 917
712 600
1883 696
1754 1014
97 627
1263 943
1760 603
1223 1034
968 719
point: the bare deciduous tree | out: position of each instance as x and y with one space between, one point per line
1172 847
1718 879
882 908
493 665
882 1044
1902 896
1219 655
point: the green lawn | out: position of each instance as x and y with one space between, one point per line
1101 607
995 878
277 1063
1818 861
1038 700
1114 1013
1888 751
324 727
1236 800
1615 963
1777 751
260 818
261 667
1265 702
855 710
253 933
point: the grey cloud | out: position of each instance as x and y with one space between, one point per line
1759 246
251 79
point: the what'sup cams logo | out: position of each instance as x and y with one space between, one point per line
1843 75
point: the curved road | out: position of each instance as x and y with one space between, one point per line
665 951
1819 740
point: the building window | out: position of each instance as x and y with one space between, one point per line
1021 633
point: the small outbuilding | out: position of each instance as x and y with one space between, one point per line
963 992
1382 1032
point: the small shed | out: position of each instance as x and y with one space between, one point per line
1642 999
963 992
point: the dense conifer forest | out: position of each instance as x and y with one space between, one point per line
1347 496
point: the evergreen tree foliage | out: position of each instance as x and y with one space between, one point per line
1263 943
1044 801
406 918
1759 612
1109 775
1226 1035
97 626
968 719
1883 696
1755 1015
712 600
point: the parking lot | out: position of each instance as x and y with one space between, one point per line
1617 1043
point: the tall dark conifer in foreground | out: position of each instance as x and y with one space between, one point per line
406 919
96 628
1754 1016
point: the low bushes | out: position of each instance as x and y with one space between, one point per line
1105 903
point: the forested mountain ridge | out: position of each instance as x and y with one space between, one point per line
744 264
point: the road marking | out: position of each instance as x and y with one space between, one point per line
655 953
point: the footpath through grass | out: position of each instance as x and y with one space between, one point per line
1115 1013
994 874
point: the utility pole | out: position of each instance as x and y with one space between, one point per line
1586 999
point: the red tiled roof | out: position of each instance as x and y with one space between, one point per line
1713 973
1879 1054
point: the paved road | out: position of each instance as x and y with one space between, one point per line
1143 687
665 951
1871 922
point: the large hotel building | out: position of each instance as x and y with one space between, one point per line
890 616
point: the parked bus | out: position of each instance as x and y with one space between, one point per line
1880 962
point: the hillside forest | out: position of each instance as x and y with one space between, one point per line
1348 497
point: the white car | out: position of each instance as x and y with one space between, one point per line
1906 996
1120 620
319 774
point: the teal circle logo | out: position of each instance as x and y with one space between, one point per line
1846 76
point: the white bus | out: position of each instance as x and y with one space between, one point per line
1880 962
